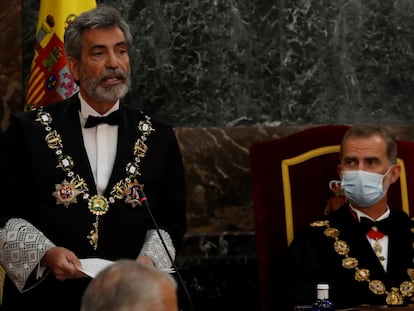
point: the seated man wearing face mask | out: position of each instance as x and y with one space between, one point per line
364 249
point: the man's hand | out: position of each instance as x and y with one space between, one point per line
63 263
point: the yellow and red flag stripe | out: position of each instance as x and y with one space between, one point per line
50 80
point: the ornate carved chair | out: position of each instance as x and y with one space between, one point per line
291 187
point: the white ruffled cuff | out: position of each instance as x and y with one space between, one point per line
22 246
154 248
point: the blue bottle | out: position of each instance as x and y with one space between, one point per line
322 302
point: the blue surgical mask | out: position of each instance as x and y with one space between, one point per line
363 188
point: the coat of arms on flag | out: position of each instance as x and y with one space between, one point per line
50 80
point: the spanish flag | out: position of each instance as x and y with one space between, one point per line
50 80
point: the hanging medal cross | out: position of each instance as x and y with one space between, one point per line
94 234
376 236
98 205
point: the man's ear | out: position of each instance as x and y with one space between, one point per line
73 65
395 173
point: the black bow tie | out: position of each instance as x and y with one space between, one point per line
382 225
111 119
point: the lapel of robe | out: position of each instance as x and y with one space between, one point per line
400 247
360 246
127 135
73 144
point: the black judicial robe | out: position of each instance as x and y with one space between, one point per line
311 259
28 177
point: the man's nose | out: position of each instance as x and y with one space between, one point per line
112 61
363 166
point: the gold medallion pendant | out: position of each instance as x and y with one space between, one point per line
66 193
98 205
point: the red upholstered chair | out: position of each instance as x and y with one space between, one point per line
290 186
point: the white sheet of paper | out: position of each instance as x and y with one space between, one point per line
92 266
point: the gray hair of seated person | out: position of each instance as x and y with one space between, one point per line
127 285
103 16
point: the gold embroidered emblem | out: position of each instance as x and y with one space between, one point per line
394 297
407 288
132 195
98 205
377 287
361 274
331 232
66 193
320 223
341 247
349 263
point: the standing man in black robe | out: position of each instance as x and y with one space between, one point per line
73 188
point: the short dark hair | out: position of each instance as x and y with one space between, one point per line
368 130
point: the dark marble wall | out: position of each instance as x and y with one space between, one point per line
228 73
10 60
347 61
267 62
197 63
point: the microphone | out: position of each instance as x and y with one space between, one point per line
144 200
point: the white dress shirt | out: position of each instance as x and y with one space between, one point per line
100 143
383 241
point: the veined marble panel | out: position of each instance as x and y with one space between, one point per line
347 61
10 60
217 165
225 63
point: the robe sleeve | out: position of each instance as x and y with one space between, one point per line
154 248
22 246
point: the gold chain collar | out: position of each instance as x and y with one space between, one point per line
393 297
66 192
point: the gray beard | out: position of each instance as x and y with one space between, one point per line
108 94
